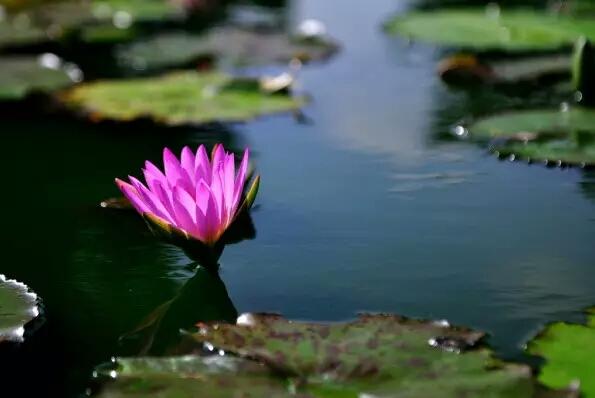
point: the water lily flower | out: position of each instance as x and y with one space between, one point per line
196 198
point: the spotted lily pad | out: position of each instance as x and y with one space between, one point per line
176 99
18 306
568 350
376 356
490 28
190 376
562 136
21 75
236 46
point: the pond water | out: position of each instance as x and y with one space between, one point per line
367 206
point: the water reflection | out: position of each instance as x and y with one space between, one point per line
203 298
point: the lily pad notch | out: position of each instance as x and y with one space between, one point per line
18 307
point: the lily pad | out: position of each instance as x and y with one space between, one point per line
534 122
491 28
229 45
569 351
467 68
191 376
376 355
21 75
176 99
562 137
18 306
15 33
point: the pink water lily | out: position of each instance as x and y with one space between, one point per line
195 196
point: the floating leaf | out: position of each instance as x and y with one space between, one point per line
177 98
569 350
490 28
230 45
562 137
467 68
376 356
18 306
20 75
542 121
13 33
191 376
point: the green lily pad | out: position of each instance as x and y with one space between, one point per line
137 10
229 45
21 75
563 136
490 28
536 70
13 33
542 121
176 99
191 376
18 306
569 351
376 356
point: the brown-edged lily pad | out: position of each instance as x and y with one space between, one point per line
469 69
21 75
565 136
375 356
18 306
176 99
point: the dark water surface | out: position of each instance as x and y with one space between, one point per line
366 208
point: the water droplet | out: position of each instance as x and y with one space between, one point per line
564 107
443 323
449 344
311 28
209 346
578 96
74 72
460 131
246 320
122 20
221 353
113 374
49 61
512 157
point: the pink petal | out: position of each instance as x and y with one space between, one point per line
212 221
202 165
202 196
241 180
174 172
228 183
218 158
132 195
187 162
151 200
183 218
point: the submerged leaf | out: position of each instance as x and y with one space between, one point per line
18 306
176 99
